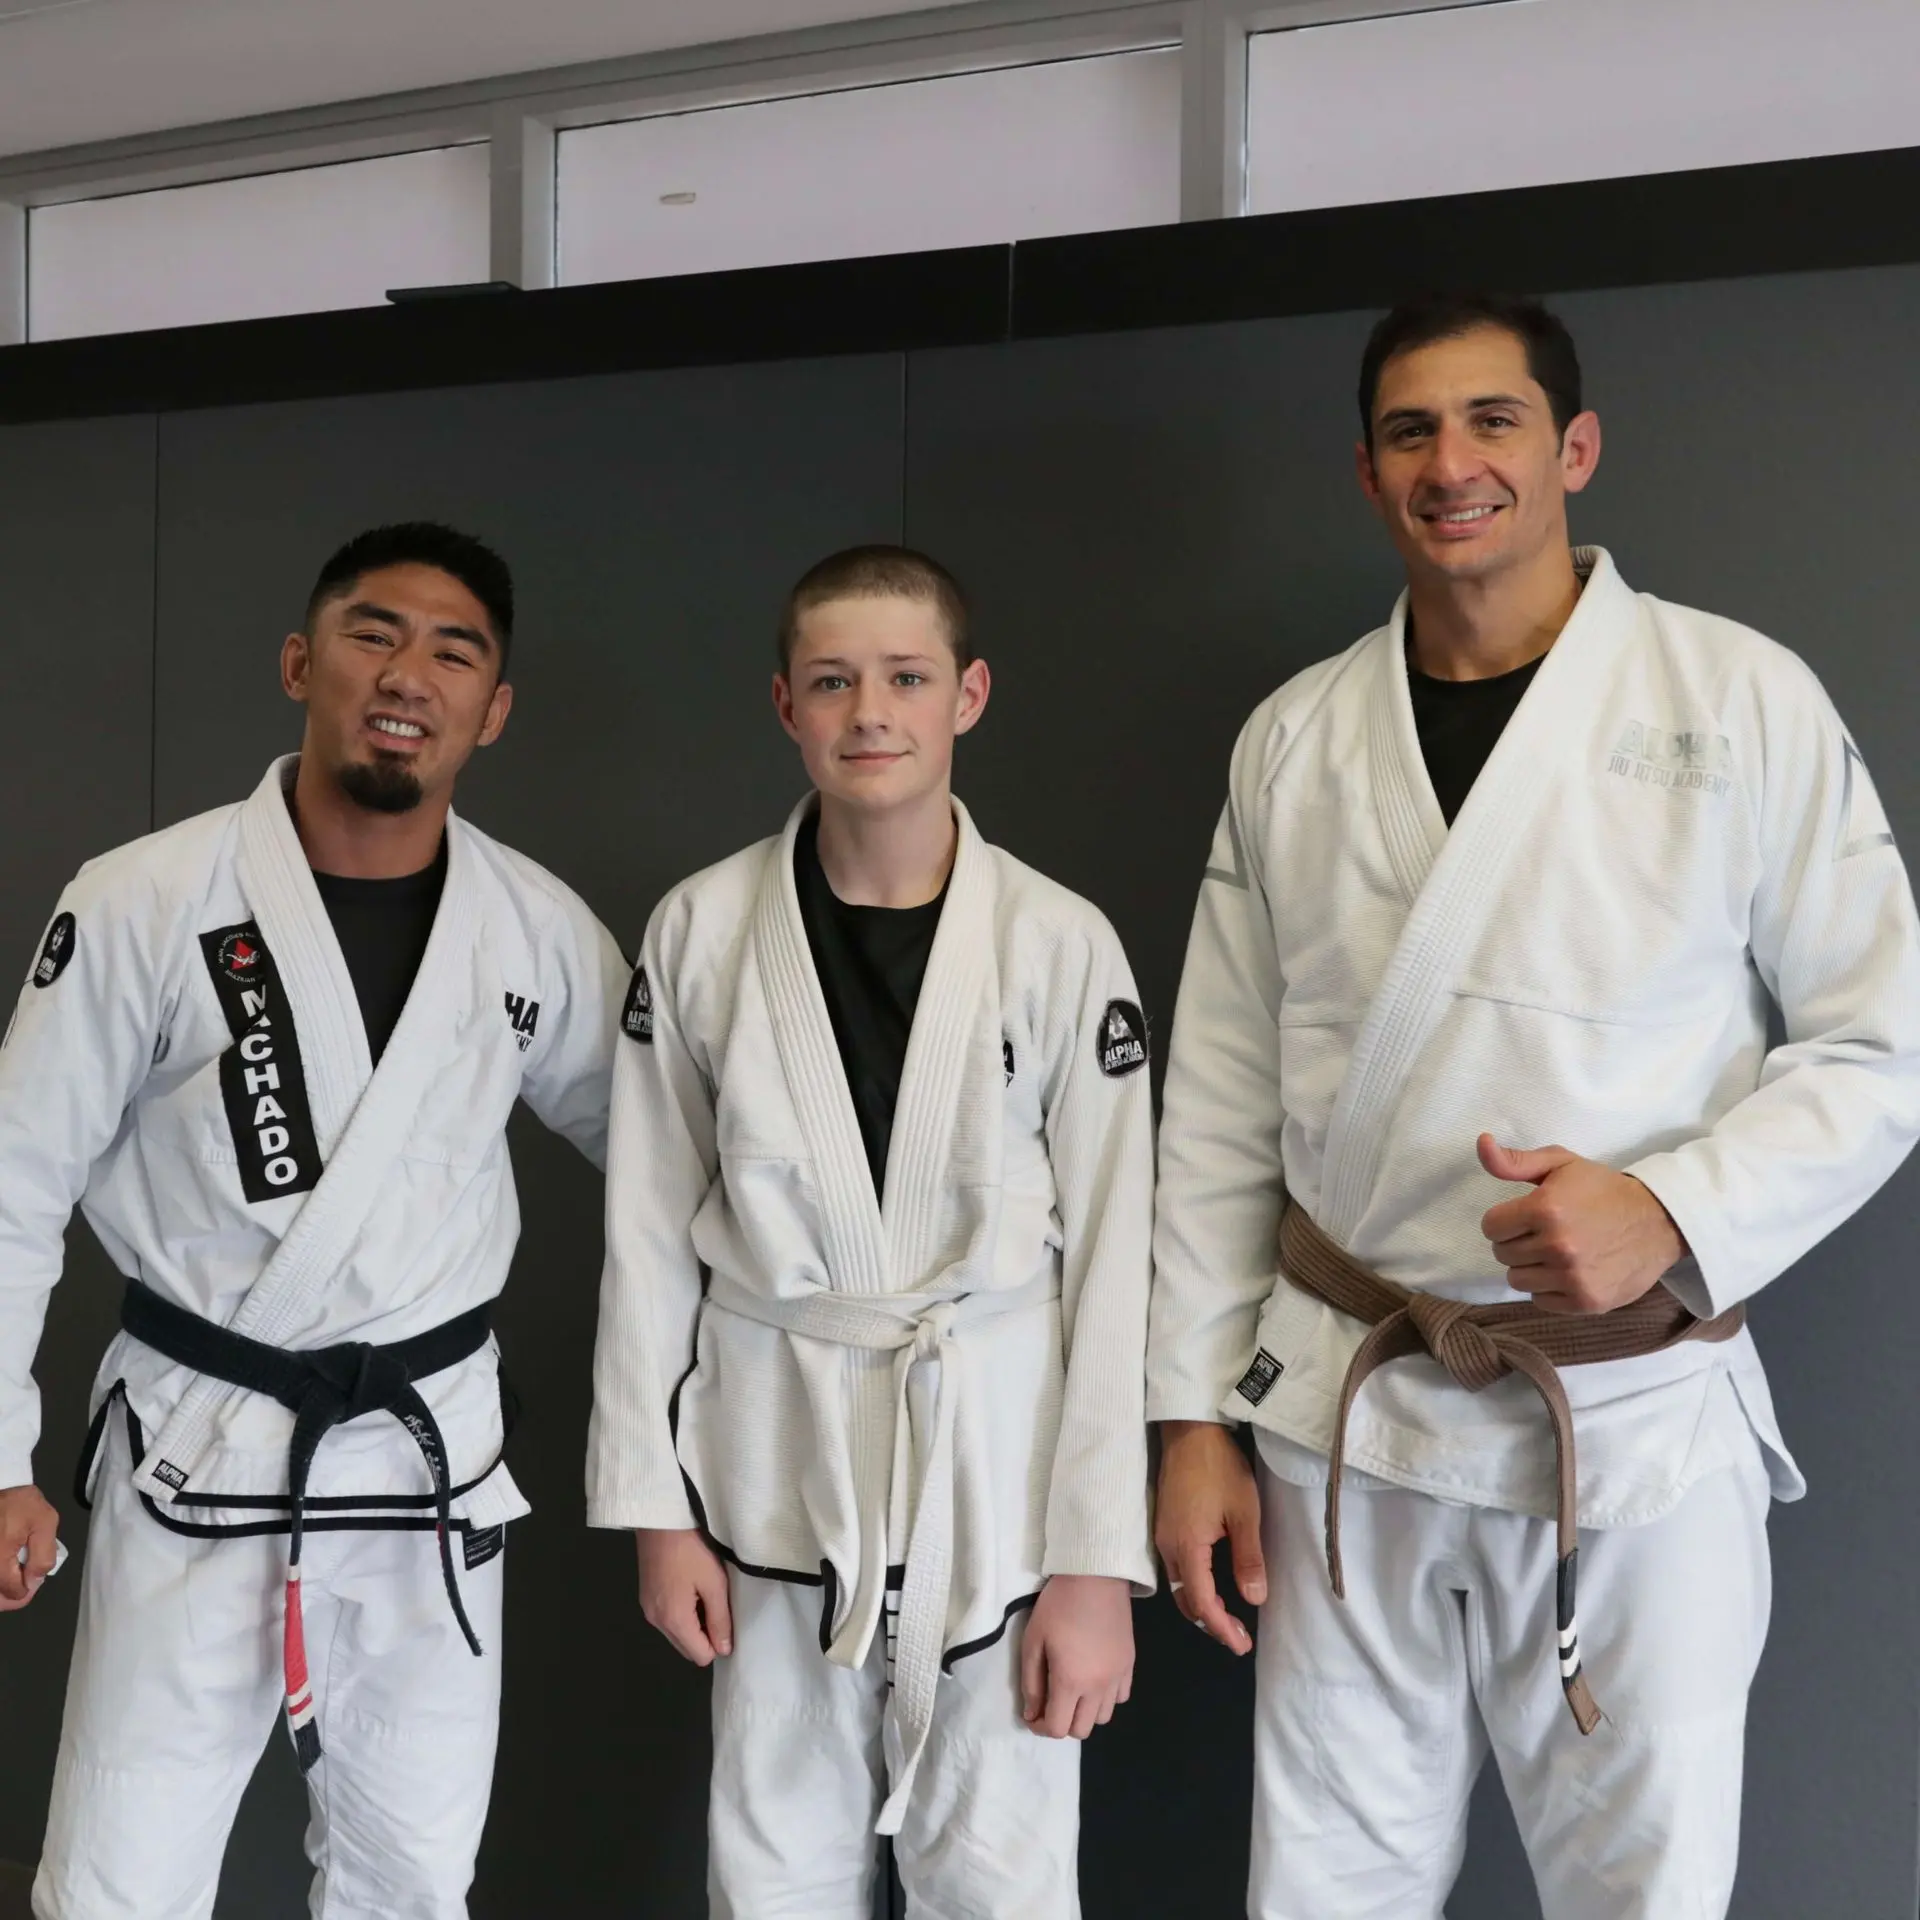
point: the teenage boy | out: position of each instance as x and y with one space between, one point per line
272 1052
1473 1041
869 1385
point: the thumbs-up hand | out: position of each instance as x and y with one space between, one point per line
1587 1239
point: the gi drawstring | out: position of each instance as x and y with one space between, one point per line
1477 1346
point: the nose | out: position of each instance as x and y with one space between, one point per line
869 707
401 677
1453 459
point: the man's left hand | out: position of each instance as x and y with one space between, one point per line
1586 1240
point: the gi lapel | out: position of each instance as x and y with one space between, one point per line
362 1121
816 1080
953 1048
1458 884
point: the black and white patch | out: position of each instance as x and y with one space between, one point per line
1257 1382
262 1082
523 1016
1121 1045
167 1471
1006 1059
55 951
636 1018
481 1544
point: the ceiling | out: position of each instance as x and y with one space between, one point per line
83 70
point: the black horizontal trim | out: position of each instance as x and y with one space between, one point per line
1839 211
986 1640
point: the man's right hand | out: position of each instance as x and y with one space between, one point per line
26 1520
1207 1493
683 1592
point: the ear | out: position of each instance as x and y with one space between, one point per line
783 705
296 663
976 684
497 710
1363 471
1580 451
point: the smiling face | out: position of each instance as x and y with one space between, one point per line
875 699
400 677
1467 467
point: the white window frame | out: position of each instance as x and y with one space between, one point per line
520 114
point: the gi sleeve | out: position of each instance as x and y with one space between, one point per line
1217 1223
569 1074
1835 941
83 1037
662 1160
1099 1133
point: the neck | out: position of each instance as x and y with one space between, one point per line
339 836
900 858
1475 629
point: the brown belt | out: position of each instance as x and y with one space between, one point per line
1477 1345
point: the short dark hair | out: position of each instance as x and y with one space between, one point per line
1552 359
423 543
875 573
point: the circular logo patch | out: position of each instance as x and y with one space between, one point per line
56 950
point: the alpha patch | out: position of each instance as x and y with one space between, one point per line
480 1544
167 1471
1257 1382
262 1082
1121 1045
1006 1059
636 1017
55 950
523 1016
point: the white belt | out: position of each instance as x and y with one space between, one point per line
914 1327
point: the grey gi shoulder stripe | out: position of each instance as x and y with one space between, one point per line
1236 875
1871 830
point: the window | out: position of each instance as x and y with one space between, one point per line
299 242
1534 91
959 161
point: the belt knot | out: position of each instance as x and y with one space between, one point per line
932 1328
1448 1331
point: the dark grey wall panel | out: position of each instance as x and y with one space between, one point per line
1160 528
76 649
653 523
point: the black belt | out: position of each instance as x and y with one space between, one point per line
323 1386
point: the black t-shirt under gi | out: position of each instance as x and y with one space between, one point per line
1459 722
382 927
871 961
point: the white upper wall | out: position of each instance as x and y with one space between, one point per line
74 70
1067 147
1536 91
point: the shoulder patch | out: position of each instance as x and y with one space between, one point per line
56 950
1121 1043
636 1017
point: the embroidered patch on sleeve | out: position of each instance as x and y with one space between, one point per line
167 1471
636 1018
56 950
480 1544
1257 1382
1121 1043
1006 1059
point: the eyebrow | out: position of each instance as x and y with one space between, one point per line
1480 400
886 660
446 630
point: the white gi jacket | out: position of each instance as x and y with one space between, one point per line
277 1183
1020 1174
1673 830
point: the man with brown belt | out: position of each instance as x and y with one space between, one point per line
1523 866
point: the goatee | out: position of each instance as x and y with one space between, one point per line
386 784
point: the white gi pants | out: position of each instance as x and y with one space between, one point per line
176 1687
1373 1716
992 1829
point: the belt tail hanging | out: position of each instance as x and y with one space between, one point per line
300 1720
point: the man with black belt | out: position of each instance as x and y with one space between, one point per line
869 1376
1472 1040
272 1052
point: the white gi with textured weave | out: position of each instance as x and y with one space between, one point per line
1673 832
937 1396
398 1213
